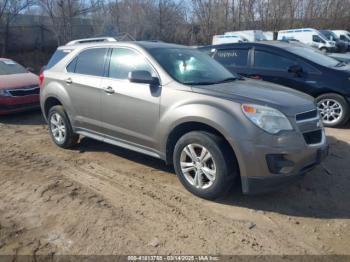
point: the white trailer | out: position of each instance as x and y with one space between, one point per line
250 35
228 39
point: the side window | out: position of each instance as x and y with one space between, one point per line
268 60
232 57
124 60
342 37
307 68
71 67
89 62
317 39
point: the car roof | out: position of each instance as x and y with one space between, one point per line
5 59
143 44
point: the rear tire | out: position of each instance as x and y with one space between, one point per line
204 164
334 110
60 128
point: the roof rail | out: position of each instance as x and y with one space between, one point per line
92 40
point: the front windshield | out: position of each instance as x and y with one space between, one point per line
9 67
314 56
333 36
191 67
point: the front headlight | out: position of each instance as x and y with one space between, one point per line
267 118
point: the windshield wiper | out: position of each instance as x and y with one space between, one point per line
199 83
340 64
226 80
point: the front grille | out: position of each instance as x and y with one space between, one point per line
306 115
313 137
31 90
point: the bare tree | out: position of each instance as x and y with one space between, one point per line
63 13
9 10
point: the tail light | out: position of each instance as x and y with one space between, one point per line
41 79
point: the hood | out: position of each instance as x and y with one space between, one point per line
288 101
18 80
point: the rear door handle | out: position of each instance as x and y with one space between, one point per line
69 81
109 90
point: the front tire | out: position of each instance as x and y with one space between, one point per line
324 50
60 128
204 164
334 109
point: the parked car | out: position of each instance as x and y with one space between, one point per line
225 39
250 35
309 36
295 66
177 104
341 45
19 88
343 35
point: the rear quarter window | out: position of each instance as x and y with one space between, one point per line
232 57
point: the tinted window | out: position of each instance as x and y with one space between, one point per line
268 60
317 39
343 37
91 62
57 56
124 61
9 67
232 57
314 56
189 66
71 67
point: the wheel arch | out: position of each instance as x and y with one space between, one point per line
190 126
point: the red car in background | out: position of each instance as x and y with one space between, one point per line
19 88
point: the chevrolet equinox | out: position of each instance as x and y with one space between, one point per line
179 105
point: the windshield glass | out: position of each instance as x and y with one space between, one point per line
314 56
9 67
191 67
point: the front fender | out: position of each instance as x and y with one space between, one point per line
226 117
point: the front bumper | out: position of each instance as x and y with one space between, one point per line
258 185
10 104
267 162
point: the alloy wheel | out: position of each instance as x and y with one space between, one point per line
330 110
58 128
198 166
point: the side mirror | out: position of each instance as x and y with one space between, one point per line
295 69
30 69
142 77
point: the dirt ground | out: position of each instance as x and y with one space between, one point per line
100 199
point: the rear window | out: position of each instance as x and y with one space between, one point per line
57 56
9 67
232 57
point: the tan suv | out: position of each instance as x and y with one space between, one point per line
179 105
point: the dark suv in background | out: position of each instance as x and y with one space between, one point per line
296 66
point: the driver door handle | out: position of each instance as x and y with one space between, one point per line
109 90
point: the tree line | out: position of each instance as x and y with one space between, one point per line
192 22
